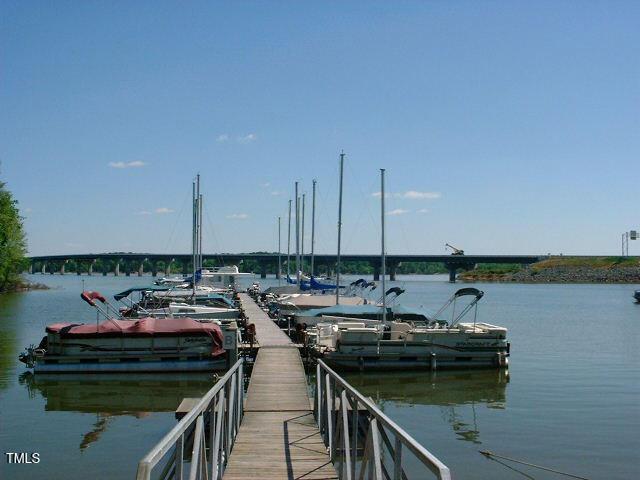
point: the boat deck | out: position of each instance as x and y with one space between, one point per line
278 437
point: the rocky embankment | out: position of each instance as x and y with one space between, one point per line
598 270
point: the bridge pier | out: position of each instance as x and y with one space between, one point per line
141 268
154 269
452 274
116 271
91 264
263 270
62 267
127 268
167 267
392 268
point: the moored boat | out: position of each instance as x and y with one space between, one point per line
346 343
130 345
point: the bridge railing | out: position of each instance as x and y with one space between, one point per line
203 439
363 442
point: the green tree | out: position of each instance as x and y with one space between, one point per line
12 242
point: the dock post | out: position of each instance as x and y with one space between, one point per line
231 344
433 362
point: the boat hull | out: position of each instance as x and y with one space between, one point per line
129 366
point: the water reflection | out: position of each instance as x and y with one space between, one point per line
452 392
113 395
9 344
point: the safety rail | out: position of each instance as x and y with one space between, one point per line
343 415
209 428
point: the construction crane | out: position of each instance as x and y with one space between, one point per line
455 251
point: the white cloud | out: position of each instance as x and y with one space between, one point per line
265 184
222 138
238 216
412 194
423 210
248 138
276 193
379 194
144 212
409 194
398 211
134 164
163 210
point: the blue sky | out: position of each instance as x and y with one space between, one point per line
516 125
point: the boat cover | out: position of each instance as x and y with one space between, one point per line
370 309
151 288
143 327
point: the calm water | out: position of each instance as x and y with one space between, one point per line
571 399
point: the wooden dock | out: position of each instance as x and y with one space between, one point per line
278 437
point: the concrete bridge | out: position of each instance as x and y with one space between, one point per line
128 263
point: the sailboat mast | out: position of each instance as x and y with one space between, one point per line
279 254
198 226
289 243
200 204
297 237
339 231
194 238
302 235
383 254
313 224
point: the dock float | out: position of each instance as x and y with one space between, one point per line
278 437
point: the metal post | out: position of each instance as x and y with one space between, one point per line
339 230
313 226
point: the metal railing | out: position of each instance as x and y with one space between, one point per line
203 438
362 441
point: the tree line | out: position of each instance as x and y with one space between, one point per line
13 245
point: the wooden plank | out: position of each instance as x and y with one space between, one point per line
278 437
268 333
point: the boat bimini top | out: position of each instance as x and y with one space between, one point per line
463 292
148 288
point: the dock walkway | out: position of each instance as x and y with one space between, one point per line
278 437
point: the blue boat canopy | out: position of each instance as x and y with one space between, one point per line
126 293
